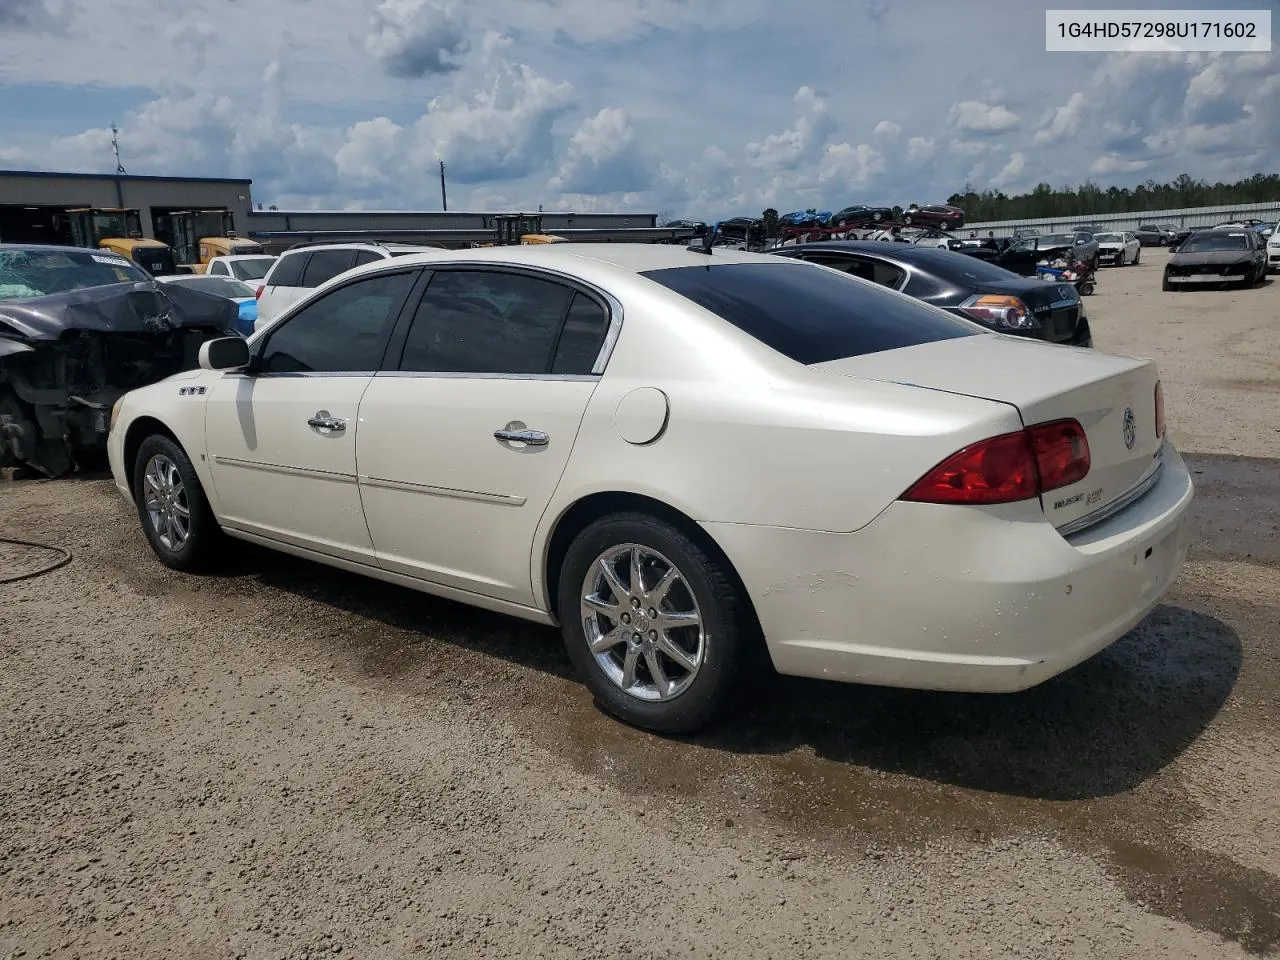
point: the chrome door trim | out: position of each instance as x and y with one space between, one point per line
288 471
502 499
454 375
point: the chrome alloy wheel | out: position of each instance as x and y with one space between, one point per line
642 622
165 500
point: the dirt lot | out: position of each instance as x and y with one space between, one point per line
284 761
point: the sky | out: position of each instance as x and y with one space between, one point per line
688 108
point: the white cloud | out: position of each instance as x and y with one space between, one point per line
1064 122
1011 172
786 150
845 165
887 130
1111 163
414 38
603 157
975 116
920 149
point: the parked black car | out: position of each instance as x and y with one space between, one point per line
79 328
861 215
1022 256
1155 234
963 285
1217 258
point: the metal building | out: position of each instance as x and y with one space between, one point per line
34 204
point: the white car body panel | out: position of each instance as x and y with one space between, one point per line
279 477
1273 250
443 498
1129 250
794 472
226 267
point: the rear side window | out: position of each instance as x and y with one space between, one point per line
366 256
480 321
288 270
325 265
582 336
877 271
346 330
811 316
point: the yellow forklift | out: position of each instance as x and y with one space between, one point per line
119 230
519 228
200 235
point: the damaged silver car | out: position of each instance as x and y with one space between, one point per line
79 328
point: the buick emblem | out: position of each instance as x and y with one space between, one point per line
1130 428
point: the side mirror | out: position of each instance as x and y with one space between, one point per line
224 353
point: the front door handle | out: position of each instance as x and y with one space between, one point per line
535 438
322 421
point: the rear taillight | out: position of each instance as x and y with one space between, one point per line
1062 453
999 310
1008 468
1159 410
258 294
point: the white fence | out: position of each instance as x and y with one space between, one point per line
1188 217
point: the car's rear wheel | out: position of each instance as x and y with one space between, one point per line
1137 256
172 507
657 627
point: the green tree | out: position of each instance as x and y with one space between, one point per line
770 218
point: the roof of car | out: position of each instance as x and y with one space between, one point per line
904 251
635 257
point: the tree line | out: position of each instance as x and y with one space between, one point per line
1088 198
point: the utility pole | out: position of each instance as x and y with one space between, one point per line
444 202
115 146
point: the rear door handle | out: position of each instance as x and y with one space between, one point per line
322 421
535 438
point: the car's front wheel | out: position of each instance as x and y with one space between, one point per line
172 507
657 627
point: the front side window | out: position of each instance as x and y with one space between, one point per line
325 265
481 321
810 316
218 268
346 330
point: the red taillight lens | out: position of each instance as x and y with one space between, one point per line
1010 467
1159 410
1062 453
258 295
999 470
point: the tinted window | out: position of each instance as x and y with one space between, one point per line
476 321
325 265
345 330
960 268
218 268
877 271
810 315
1207 240
1148 228
366 256
582 337
288 270
254 269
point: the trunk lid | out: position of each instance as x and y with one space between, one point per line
1112 397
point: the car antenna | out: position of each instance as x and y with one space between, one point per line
708 235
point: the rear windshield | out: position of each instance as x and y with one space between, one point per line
39 273
809 314
958 267
218 286
1209 240
252 269
1056 240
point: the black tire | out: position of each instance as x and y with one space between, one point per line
200 548
1166 286
729 629
1137 257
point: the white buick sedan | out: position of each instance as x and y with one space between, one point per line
677 457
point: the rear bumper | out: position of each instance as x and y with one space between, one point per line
960 598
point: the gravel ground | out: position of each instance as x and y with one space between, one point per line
284 761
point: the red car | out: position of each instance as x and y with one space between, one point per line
938 214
